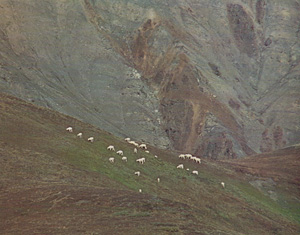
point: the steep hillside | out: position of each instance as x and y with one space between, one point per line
55 183
217 78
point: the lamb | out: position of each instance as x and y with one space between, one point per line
69 129
135 150
120 152
158 180
147 151
180 166
223 184
143 146
140 190
181 156
91 139
124 159
111 147
79 135
155 156
195 172
127 139
137 173
141 160
112 159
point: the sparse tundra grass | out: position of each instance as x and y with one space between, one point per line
61 170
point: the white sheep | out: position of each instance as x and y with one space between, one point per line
120 152
135 150
155 156
198 160
181 156
69 129
187 169
195 172
188 156
180 166
137 173
111 147
140 190
141 160
223 184
112 159
127 139
147 151
158 180
124 159
193 158
143 146
79 135
91 139
134 143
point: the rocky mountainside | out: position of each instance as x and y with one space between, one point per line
219 79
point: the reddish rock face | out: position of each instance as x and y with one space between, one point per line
217 79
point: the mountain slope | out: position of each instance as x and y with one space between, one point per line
216 78
53 182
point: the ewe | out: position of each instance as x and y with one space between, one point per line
195 172
124 159
141 160
111 147
143 146
79 135
69 129
91 139
223 184
135 150
137 173
112 159
120 152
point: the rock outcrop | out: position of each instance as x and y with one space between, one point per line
219 79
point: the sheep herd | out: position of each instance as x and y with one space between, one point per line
142 160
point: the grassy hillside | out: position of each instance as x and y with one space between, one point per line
52 182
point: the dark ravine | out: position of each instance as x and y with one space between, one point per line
217 79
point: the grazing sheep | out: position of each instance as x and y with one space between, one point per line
143 146
79 135
141 160
120 152
111 147
112 159
140 190
198 160
147 151
124 159
69 129
135 150
91 139
187 169
188 156
155 156
158 180
137 173
195 172
223 184
127 139
180 166
181 156
193 158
